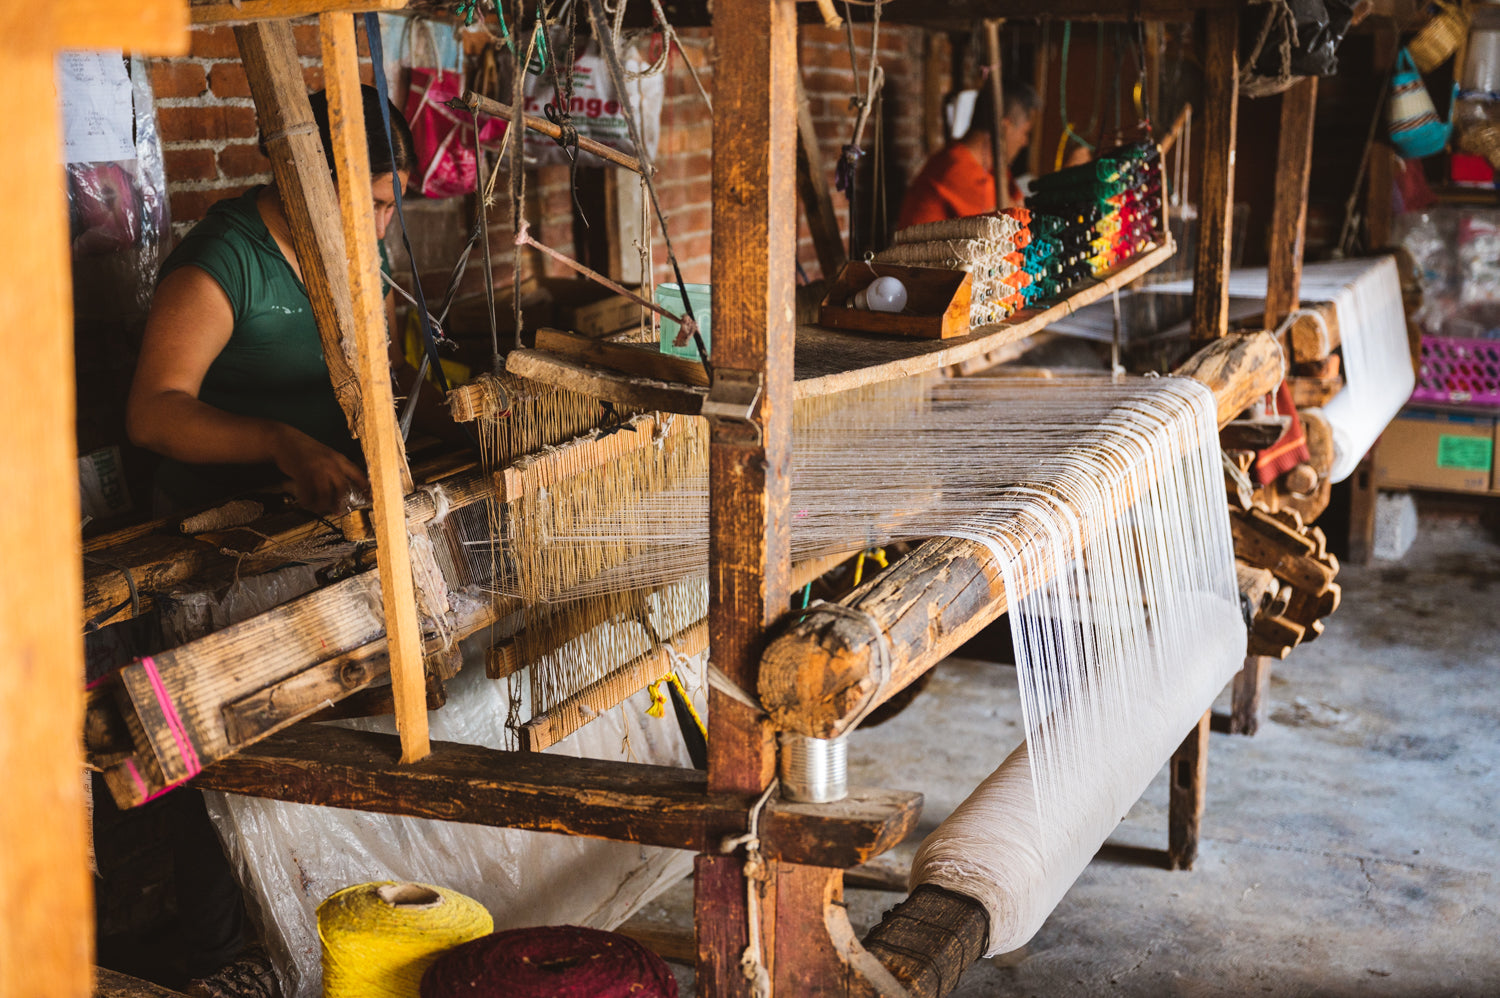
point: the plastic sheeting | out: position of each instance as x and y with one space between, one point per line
289 857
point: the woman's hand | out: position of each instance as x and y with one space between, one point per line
323 480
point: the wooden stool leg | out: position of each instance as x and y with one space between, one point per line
1248 695
1189 778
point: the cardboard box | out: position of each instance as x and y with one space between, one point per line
1436 450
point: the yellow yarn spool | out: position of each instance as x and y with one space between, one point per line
378 938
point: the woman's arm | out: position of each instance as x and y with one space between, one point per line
189 325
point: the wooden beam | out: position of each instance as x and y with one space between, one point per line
821 669
1216 192
228 11
1188 770
812 185
541 791
300 168
630 358
754 256
495 109
385 453
112 984
46 905
1289 210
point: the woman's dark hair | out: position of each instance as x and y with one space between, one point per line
383 159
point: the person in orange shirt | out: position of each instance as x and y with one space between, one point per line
959 180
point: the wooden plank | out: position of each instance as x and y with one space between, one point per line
817 950
154 27
1289 207
754 258
267 711
548 728
45 891
113 984
227 11
812 185
672 944
385 453
930 939
821 669
646 361
830 360
1216 191
541 791
274 71
154 562
835 360
1189 786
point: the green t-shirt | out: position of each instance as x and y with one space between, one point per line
272 367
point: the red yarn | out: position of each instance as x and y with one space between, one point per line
563 961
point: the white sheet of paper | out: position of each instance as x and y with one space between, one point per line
93 90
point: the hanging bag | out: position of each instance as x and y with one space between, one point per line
1416 130
443 136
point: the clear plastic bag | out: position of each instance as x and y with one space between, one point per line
289 857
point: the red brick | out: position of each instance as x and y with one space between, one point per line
177 78
312 78
190 164
205 123
228 80
216 42
309 44
243 159
189 206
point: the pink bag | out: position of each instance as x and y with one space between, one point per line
444 137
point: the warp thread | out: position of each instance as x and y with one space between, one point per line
562 961
379 938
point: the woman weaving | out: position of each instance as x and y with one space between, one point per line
231 387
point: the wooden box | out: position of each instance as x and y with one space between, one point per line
937 301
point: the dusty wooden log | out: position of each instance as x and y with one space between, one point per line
629 802
930 939
1248 696
816 676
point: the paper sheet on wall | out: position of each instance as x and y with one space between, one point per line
93 91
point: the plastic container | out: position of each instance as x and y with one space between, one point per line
669 297
1459 371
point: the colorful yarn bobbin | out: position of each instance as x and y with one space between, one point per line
554 962
378 938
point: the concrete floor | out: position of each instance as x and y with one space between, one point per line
1349 848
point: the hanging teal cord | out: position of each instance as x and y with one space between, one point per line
505 28
806 595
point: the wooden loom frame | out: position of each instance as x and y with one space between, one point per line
807 847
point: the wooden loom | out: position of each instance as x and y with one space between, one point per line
808 846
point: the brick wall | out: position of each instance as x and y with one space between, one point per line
209 132
207 119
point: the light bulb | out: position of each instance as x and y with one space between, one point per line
886 294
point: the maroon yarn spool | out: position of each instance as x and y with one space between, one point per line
563 961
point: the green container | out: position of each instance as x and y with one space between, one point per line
669 297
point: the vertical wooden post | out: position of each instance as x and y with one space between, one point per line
997 134
1289 211
812 184
1248 695
300 168
1040 78
1381 179
46 908
1188 773
1221 89
379 433
754 249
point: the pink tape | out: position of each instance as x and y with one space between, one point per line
185 750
